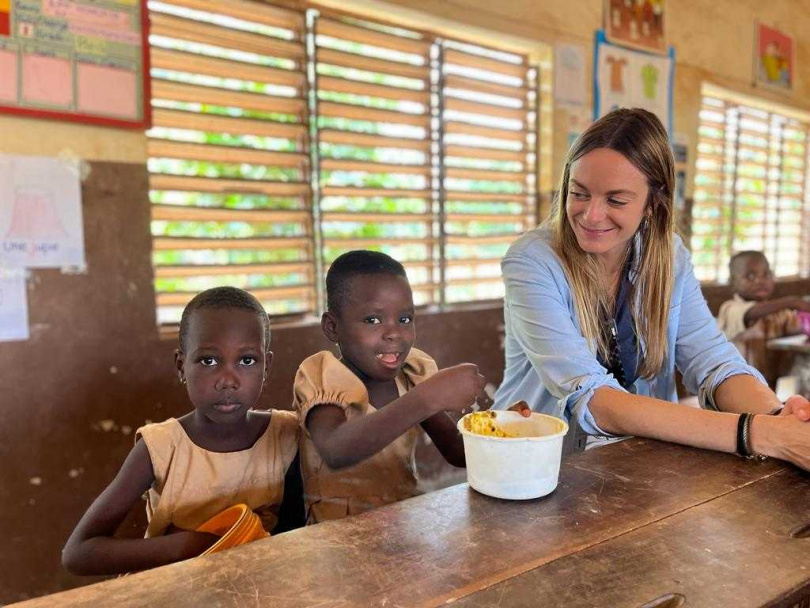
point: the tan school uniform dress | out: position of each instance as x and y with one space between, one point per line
193 484
386 477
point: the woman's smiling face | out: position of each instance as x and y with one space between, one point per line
607 198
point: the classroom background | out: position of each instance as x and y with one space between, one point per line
98 360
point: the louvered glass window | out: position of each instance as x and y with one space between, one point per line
749 188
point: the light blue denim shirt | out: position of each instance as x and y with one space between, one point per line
550 365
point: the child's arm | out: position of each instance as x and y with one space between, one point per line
342 442
763 309
91 549
441 429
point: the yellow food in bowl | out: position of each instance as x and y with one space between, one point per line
483 423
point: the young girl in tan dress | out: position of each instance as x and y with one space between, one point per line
221 454
361 414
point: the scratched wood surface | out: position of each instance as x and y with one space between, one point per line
444 545
736 550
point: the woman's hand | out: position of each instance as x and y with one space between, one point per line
785 437
798 406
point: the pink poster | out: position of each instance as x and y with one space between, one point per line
107 91
8 76
47 80
773 63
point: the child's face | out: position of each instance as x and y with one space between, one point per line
752 279
225 363
375 327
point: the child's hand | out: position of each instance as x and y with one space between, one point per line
192 543
453 388
522 407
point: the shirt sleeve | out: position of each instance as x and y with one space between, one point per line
731 318
702 353
419 366
322 379
542 324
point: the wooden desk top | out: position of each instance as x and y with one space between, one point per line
794 344
627 521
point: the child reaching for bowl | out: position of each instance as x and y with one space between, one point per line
361 413
751 317
221 454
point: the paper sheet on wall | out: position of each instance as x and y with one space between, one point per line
570 75
40 212
626 78
13 305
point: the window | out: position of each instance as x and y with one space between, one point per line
749 187
283 138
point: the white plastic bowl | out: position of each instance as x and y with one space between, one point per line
519 468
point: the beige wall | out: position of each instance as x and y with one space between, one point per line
713 41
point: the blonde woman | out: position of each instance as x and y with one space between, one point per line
602 306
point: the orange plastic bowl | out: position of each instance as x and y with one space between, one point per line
236 525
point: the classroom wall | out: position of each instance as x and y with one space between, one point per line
95 368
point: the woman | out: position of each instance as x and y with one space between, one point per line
602 305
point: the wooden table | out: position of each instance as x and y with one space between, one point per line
794 344
629 523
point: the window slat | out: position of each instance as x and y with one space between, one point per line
360 35
212 214
224 68
371 141
203 33
357 87
345 110
225 154
205 184
176 91
451 81
456 57
240 126
372 64
484 109
177 243
265 14
231 269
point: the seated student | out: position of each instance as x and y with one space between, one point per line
220 454
361 413
751 317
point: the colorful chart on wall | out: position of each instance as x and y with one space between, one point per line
625 78
79 60
636 23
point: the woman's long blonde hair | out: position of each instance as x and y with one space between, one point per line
641 138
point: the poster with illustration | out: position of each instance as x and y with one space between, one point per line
625 78
40 213
636 23
774 57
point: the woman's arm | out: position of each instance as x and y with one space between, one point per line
343 442
621 413
786 436
92 549
744 393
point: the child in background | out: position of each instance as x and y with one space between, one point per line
221 454
751 317
361 413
